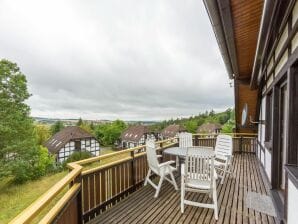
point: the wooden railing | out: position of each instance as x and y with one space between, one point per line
87 192
242 142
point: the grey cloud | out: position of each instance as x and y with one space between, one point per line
115 59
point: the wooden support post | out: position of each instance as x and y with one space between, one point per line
196 140
241 143
132 154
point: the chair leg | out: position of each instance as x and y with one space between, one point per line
224 174
182 195
174 182
158 186
147 177
215 201
177 162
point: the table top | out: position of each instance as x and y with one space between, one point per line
178 151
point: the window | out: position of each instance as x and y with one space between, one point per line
269 108
77 145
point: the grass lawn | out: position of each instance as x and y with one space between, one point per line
15 198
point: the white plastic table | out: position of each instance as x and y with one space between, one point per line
181 153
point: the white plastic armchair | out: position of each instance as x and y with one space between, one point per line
223 155
161 169
185 141
198 175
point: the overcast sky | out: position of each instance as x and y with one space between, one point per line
108 59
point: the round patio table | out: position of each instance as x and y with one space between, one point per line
181 152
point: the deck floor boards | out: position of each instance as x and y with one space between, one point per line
142 207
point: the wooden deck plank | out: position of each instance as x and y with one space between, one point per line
142 207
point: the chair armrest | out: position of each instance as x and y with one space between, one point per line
182 170
215 174
166 163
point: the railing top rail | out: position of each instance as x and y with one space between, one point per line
233 134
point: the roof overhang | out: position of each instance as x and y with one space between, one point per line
236 26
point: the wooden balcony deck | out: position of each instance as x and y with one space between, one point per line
141 207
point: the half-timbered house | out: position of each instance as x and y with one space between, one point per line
72 139
172 131
136 135
259 44
209 128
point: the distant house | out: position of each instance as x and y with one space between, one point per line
72 139
209 128
172 131
136 135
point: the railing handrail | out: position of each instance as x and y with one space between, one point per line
76 170
233 134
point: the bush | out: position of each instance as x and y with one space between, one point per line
76 156
32 167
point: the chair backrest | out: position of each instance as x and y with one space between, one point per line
185 140
199 166
151 154
224 146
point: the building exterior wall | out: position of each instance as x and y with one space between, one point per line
89 144
277 72
141 141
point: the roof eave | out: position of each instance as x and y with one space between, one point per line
219 13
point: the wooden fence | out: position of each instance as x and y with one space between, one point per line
90 192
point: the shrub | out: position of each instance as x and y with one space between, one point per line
33 167
76 156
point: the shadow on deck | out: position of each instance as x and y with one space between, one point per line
141 207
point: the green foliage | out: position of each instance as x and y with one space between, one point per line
80 122
76 156
191 126
19 151
108 134
229 126
43 133
86 127
92 126
56 127
192 123
32 165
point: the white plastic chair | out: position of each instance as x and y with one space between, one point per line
223 155
185 141
160 169
198 175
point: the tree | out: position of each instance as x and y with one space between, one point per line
43 133
19 152
86 127
191 126
108 134
56 127
80 122
92 126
